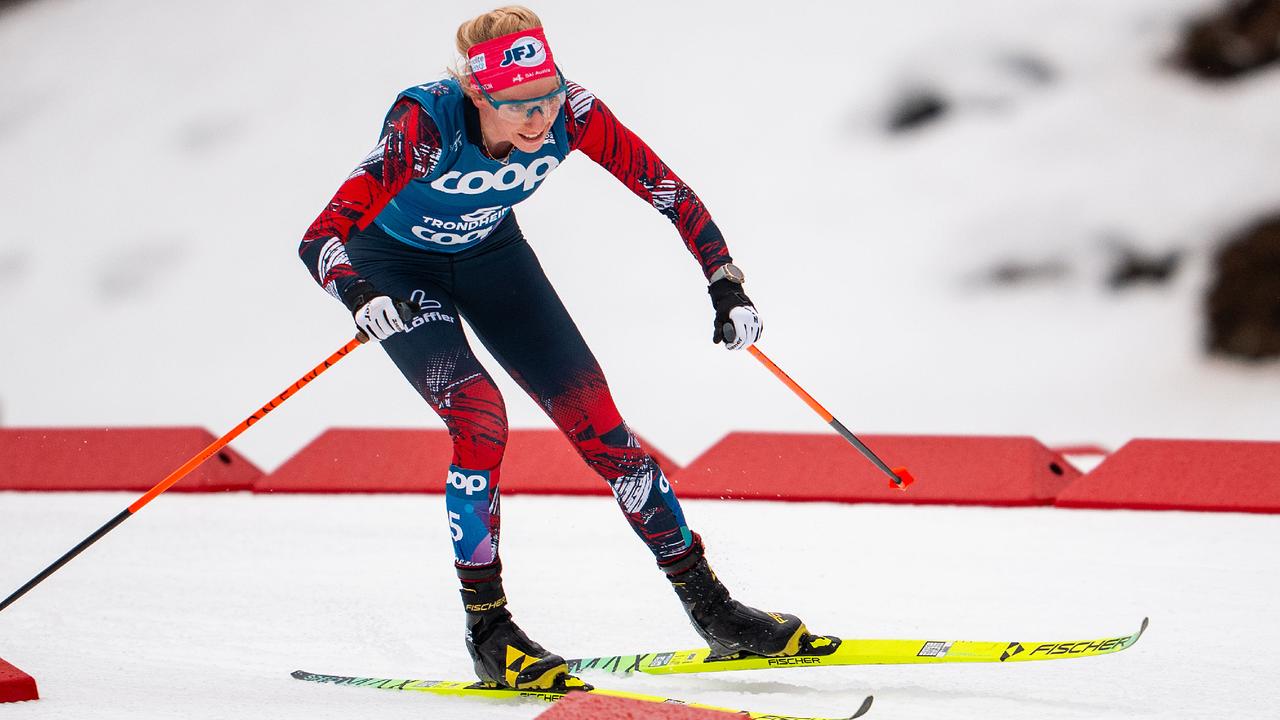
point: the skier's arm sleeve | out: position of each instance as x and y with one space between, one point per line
598 134
409 148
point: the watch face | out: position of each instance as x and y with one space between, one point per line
732 273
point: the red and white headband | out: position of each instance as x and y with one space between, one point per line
511 60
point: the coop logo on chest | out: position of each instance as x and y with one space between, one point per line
525 52
509 177
468 228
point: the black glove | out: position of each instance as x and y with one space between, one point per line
376 313
737 323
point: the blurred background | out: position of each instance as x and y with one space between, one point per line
1054 218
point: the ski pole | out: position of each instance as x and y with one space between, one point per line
899 477
187 467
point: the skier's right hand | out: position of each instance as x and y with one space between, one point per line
376 313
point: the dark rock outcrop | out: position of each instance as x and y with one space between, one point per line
1241 37
1134 267
916 108
1243 302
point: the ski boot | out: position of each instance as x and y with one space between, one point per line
730 628
503 655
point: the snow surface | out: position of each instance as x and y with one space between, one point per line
159 162
199 607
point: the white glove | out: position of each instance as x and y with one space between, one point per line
746 327
379 318
737 323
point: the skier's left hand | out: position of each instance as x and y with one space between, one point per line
737 322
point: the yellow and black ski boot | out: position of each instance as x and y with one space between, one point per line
729 627
503 655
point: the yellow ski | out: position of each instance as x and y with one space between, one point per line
828 651
481 690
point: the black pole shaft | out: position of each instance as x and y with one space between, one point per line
95 537
866 451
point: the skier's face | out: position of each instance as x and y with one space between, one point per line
523 129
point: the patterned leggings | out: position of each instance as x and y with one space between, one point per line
501 290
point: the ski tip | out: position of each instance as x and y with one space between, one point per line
299 674
1145 621
862 710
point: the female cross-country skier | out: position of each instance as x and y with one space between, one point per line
423 233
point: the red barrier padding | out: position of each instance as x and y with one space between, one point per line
958 470
365 461
15 685
587 706
1221 475
116 459
415 461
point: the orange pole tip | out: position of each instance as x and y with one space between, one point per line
903 479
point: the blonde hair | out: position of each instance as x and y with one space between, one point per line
493 24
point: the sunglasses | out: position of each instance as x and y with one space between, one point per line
521 110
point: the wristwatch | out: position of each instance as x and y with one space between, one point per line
729 272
